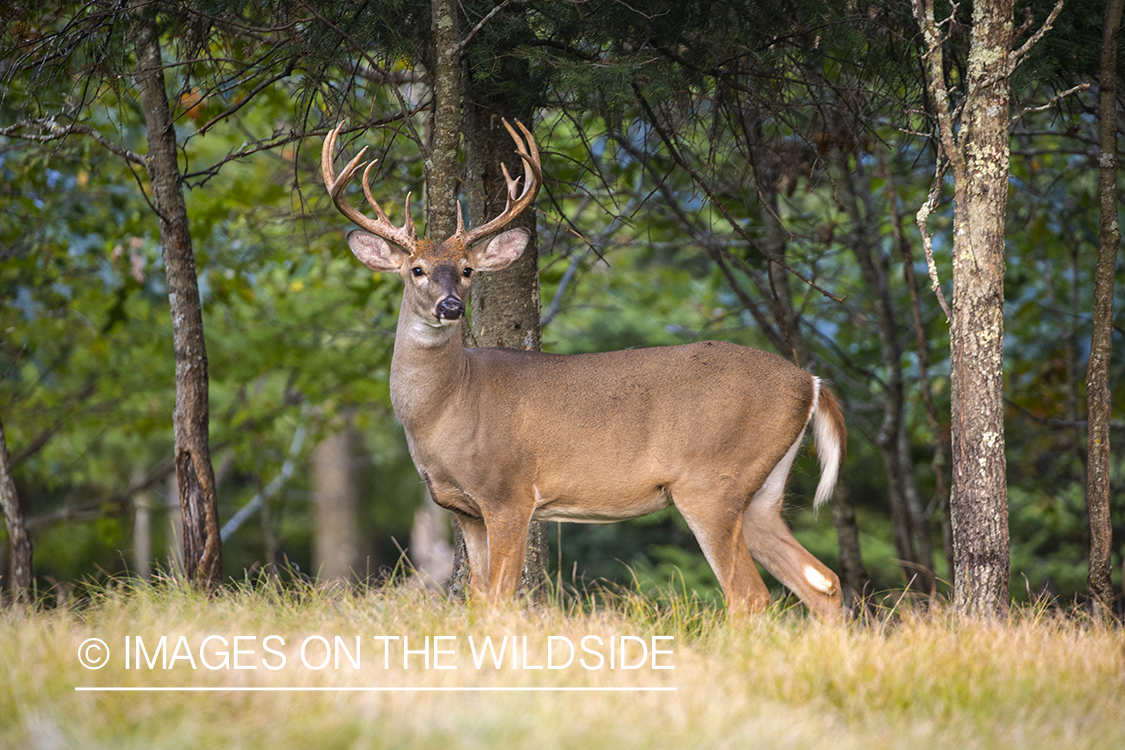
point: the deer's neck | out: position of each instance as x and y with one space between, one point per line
426 369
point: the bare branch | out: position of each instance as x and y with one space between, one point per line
242 102
402 103
1017 56
464 42
52 131
936 84
1052 102
927 241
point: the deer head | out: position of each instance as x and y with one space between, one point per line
436 274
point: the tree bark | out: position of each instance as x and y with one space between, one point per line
979 498
442 173
442 183
194 473
854 580
19 543
1098 398
978 151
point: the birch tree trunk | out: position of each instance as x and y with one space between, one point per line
1099 578
194 473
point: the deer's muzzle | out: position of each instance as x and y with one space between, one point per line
450 308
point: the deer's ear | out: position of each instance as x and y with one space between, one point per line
374 252
502 250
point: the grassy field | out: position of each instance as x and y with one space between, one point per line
1040 680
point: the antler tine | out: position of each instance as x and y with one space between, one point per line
408 227
371 198
404 236
517 201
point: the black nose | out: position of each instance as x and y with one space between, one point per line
450 308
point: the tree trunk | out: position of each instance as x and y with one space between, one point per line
142 530
442 173
442 182
194 473
978 150
854 581
335 487
430 551
979 498
505 305
19 543
1099 578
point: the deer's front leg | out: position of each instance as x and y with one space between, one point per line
507 525
476 550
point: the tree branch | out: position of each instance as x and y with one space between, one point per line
54 132
1017 56
927 241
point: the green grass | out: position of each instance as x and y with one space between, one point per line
1041 679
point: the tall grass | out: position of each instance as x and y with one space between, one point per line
1042 678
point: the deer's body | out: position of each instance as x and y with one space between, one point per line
505 436
607 446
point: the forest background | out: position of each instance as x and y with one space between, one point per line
712 170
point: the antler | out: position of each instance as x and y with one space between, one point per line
533 180
404 236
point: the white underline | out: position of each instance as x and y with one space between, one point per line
369 689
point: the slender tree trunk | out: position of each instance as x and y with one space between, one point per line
142 529
979 500
442 183
775 287
430 551
940 460
195 475
853 575
978 151
442 173
335 487
19 543
1099 579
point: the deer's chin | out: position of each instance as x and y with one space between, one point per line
440 323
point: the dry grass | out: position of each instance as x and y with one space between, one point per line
1041 679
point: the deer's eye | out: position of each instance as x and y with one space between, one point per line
467 272
417 271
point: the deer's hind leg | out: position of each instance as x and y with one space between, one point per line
772 544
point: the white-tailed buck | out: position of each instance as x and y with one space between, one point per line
503 436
